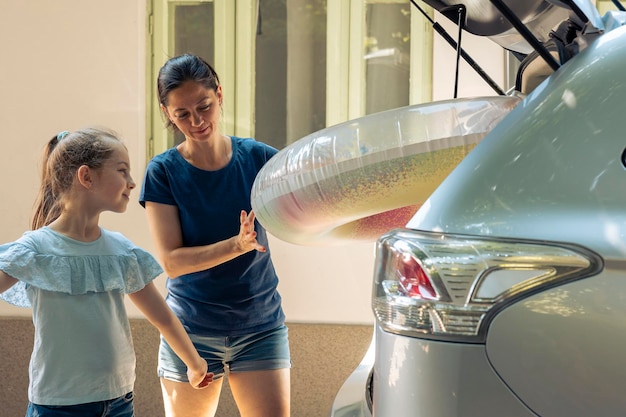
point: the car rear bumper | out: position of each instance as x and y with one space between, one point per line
418 377
352 398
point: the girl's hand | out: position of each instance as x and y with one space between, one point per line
246 239
200 378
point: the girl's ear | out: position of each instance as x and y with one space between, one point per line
85 176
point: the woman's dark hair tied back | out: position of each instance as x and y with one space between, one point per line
183 68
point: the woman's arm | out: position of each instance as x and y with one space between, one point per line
6 281
178 260
150 302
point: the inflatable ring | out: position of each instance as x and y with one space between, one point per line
357 180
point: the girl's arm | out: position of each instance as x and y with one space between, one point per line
6 281
153 306
178 260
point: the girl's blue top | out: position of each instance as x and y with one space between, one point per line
83 350
239 296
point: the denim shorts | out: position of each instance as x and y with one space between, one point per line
117 407
253 352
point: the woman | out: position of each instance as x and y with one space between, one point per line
222 283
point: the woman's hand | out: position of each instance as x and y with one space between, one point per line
246 239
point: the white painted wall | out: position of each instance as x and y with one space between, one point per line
67 64
487 54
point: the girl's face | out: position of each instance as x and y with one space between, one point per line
195 110
113 182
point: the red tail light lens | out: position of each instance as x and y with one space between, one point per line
413 280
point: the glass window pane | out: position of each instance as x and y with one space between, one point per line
193 33
387 56
193 30
290 79
271 73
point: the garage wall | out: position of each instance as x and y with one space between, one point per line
72 63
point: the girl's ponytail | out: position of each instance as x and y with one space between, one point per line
46 206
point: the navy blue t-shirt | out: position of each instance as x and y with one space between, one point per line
238 296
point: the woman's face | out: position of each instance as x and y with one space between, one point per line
195 110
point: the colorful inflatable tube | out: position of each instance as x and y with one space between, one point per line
357 180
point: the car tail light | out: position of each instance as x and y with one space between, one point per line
449 287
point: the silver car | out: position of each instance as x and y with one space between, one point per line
505 294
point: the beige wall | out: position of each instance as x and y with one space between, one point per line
71 63
487 54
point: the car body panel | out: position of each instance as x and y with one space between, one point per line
569 341
552 170
425 378
353 399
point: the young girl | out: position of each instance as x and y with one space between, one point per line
74 274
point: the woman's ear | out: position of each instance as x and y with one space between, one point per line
165 113
219 94
85 176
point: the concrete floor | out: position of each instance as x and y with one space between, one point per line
323 355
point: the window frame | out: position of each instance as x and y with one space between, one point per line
345 93
235 77
235 27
